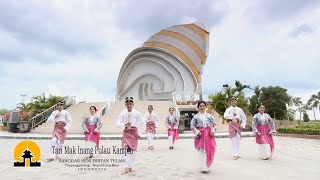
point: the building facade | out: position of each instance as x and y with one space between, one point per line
170 61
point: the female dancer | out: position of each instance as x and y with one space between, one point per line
204 127
264 128
91 126
172 123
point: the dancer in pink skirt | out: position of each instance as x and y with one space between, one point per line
91 126
172 123
63 121
236 119
150 120
264 128
130 121
204 127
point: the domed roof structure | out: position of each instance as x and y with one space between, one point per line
171 60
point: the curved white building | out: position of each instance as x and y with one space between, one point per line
169 61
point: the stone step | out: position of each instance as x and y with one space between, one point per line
77 112
109 121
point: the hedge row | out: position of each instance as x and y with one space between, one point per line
310 131
309 126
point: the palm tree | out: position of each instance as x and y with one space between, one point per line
52 100
23 107
297 102
304 109
39 104
240 87
314 103
257 90
220 100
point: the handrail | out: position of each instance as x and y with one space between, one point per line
174 102
43 116
189 96
107 106
186 96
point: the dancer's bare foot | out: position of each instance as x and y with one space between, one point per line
125 171
151 148
238 157
131 170
235 157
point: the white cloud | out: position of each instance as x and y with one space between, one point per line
77 47
261 54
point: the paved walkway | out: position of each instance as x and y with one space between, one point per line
294 158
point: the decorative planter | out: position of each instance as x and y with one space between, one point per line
24 126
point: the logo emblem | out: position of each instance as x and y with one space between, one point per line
27 154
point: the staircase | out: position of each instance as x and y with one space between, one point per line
77 112
161 108
109 120
221 127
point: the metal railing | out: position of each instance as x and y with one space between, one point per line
174 103
186 96
40 118
189 96
106 107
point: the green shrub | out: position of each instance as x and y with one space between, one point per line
309 125
307 131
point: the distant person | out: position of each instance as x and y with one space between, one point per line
264 128
91 126
63 121
236 119
150 120
172 123
204 127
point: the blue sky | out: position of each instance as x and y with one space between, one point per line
77 47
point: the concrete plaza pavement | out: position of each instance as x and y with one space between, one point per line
294 158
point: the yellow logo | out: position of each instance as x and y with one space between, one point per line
27 154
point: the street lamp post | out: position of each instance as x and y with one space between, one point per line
225 86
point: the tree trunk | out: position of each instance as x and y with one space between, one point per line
299 112
274 115
314 113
